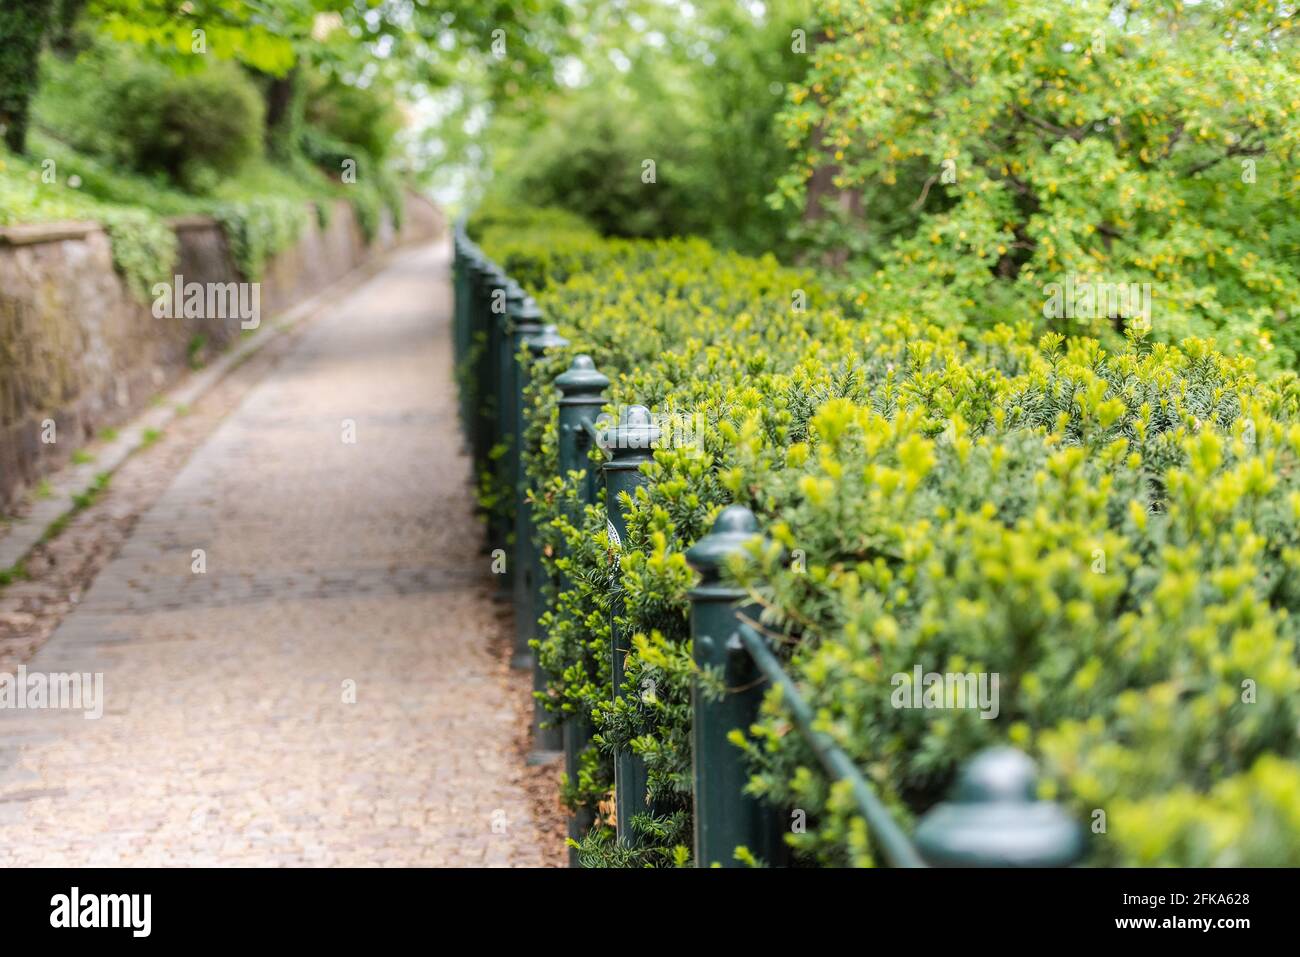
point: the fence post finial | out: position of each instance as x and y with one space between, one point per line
994 819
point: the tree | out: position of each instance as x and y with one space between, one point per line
22 30
1002 147
409 44
262 36
696 93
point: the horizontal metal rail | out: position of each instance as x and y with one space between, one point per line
898 848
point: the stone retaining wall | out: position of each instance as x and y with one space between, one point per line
78 349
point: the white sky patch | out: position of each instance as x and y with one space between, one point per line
620 60
571 72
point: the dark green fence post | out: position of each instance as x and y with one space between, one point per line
459 266
525 321
548 739
489 281
582 393
459 283
475 281
994 819
630 445
464 279
725 817
498 402
507 401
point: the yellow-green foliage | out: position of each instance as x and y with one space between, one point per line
1003 147
1113 533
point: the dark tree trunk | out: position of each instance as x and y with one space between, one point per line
283 111
61 37
821 191
22 28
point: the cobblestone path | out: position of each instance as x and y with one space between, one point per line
325 690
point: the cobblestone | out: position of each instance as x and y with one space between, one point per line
331 690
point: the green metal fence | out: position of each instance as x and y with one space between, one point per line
992 818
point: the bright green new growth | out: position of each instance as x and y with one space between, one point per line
1111 532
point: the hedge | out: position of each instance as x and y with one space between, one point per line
1114 533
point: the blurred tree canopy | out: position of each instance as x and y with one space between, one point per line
693 89
994 148
954 159
413 44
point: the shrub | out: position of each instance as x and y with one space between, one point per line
1111 531
591 158
365 117
512 231
193 127
190 129
1001 147
373 187
325 151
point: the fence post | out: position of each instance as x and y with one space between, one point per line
582 394
498 403
490 279
994 819
473 356
525 321
725 817
545 739
459 268
630 445
467 256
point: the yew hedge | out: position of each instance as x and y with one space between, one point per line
1115 533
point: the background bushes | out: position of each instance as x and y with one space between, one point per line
988 149
194 128
950 162
700 100
590 158
127 137
366 118
191 129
